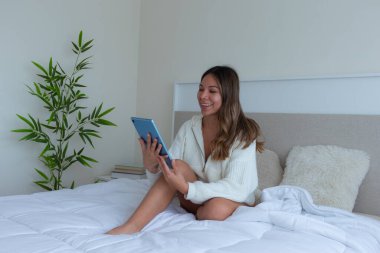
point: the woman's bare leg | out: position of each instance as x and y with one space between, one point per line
187 204
155 201
217 209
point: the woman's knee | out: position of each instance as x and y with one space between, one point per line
216 209
185 169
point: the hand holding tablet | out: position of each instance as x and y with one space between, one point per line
147 126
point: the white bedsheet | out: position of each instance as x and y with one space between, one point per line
76 220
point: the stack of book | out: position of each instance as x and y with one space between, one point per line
131 172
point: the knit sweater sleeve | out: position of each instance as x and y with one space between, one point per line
238 182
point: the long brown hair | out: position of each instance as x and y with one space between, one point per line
234 125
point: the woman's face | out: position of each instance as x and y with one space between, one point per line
209 96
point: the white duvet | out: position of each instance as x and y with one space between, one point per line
76 220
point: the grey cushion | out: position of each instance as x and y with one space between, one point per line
269 170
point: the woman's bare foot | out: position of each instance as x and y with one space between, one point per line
123 229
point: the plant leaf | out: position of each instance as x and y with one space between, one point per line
93 123
42 185
85 45
26 121
105 122
34 122
78 78
80 85
85 61
47 147
43 175
98 111
89 159
83 162
39 125
37 88
86 49
40 140
28 137
93 113
50 66
75 46
69 136
65 149
106 112
80 39
40 67
22 130
89 139
48 127
80 151
61 68
83 139
94 134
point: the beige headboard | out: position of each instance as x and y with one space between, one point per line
282 131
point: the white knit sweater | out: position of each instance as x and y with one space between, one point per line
234 178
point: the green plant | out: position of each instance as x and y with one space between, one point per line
61 95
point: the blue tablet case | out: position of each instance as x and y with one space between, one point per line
145 126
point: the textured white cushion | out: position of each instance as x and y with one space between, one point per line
331 174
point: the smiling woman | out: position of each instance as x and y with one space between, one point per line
215 171
224 101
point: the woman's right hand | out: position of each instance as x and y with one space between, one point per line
150 152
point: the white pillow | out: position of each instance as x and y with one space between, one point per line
331 174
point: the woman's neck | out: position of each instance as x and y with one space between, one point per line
211 125
210 121
210 129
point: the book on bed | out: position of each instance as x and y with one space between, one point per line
129 169
126 171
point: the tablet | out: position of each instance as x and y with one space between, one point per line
145 126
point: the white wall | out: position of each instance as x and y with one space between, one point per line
159 43
37 29
180 39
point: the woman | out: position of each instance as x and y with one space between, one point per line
215 167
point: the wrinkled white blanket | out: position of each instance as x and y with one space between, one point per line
75 221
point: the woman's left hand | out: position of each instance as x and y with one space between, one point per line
173 177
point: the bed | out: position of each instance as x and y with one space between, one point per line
285 220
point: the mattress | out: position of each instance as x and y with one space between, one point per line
76 221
